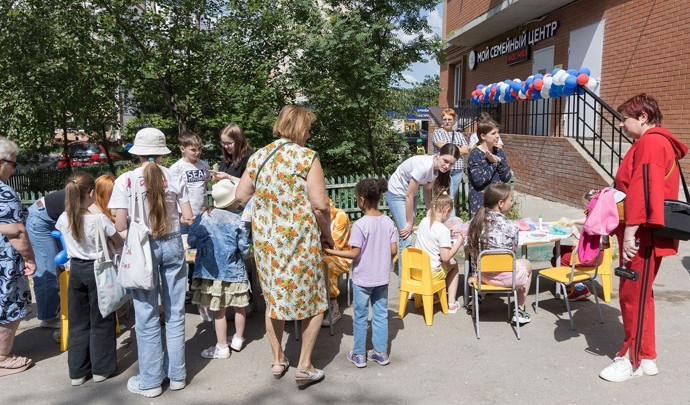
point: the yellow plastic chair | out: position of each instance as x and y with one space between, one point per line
416 278
63 282
565 276
494 261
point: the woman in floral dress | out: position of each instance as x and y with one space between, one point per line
290 223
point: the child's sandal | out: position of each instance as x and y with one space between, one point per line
285 364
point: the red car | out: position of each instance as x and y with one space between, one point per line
86 153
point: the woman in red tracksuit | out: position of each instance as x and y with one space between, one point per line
648 175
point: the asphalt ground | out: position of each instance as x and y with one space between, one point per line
443 363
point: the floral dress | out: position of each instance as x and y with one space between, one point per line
287 245
14 287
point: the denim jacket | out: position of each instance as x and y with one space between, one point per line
221 243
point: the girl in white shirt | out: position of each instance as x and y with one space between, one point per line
435 238
92 346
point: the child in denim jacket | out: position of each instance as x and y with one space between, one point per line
220 278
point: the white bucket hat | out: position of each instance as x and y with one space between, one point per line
149 142
223 193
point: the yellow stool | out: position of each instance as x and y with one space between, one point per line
63 281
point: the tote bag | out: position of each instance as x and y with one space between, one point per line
136 266
111 295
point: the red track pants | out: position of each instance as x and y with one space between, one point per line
637 307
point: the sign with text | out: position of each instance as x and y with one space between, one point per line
516 47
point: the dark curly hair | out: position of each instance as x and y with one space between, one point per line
371 190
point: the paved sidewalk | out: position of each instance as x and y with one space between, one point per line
444 363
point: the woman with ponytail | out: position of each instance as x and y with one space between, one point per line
92 347
162 195
404 183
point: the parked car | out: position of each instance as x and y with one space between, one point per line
86 153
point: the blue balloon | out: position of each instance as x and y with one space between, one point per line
568 91
572 72
538 76
536 95
553 72
571 82
61 258
586 71
515 85
553 91
480 86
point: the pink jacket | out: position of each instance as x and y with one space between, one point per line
602 219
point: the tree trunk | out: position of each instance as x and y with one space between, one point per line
65 148
106 141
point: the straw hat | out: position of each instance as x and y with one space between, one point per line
149 142
223 193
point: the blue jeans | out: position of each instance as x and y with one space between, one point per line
379 317
396 204
39 225
155 361
455 183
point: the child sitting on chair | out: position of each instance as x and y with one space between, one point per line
579 291
491 229
435 238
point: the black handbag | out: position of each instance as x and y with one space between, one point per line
676 215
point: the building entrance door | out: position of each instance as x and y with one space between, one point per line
585 50
540 114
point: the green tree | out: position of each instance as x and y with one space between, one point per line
352 56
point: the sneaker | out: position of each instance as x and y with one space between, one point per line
206 314
50 323
335 315
216 352
133 387
620 370
177 385
379 357
357 359
649 367
78 381
579 295
100 378
236 343
523 317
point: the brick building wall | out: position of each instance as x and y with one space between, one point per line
645 49
550 168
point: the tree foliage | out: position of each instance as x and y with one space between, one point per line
351 59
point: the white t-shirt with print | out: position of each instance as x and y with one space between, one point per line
175 194
420 168
86 250
194 175
431 239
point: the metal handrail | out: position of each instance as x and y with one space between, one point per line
584 116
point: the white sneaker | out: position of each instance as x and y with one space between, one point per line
236 343
216 352
620 370
78 381
649 367
177 385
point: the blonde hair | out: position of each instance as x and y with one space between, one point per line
104 189
439 203
155 194
293 123
77 189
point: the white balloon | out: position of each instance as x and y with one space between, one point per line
501 99
548 81
544 92
592 83
522 95
559 78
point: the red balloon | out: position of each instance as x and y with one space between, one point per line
538 84
582 79
513 93
528 93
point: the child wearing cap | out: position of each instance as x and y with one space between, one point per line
220 278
